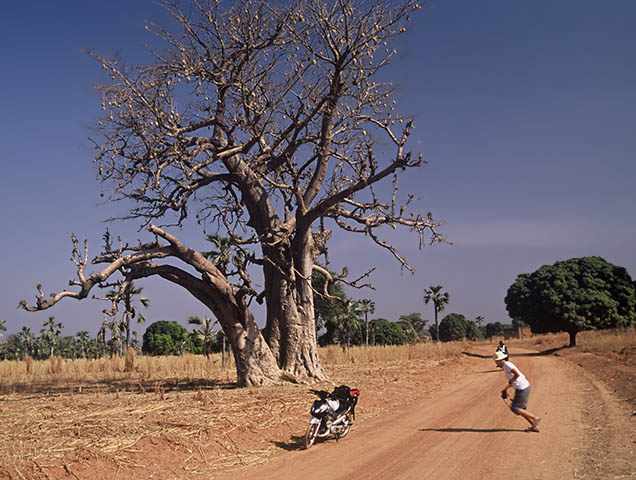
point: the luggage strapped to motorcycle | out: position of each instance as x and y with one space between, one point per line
343 392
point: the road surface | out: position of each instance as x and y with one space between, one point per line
463 431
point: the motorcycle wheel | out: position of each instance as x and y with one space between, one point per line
346 429
310 435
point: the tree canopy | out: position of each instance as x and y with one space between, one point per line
164 338
495 329
455 326
586 293
384 332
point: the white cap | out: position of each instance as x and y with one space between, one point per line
499 355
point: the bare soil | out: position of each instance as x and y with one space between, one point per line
415 419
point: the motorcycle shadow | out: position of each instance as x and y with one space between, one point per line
296 442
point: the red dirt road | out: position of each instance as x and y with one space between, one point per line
465 431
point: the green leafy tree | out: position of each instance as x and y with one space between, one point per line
28 341
473 331
495 329
409 332
586 293
164 338
3 345
452 327
440 300
83 340
418 324
384 332
12 348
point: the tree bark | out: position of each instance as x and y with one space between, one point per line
290 309
572 338
255 363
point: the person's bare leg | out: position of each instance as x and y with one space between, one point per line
533 420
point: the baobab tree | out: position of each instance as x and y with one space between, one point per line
269 123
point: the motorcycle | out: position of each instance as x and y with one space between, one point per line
333 413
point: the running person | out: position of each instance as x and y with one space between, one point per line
521 385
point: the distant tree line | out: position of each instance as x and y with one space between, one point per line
578 294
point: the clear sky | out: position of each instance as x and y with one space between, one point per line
525 111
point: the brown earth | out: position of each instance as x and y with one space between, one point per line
415 419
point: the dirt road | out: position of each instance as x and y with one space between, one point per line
465 431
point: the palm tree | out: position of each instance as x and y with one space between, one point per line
226 253
204 334
28 339
367 306
51 333
479 320
347 321
440 300
116 336
131 295
83 339
222 255
3 327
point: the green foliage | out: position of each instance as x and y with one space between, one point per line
473 332
383 332
495 329
226 254
586 293
203 337
455 327
327 310
409 331
418 324
166 338
452 327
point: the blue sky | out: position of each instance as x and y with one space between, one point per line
525 111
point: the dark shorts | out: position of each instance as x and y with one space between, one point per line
520 400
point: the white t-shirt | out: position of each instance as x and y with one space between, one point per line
522 382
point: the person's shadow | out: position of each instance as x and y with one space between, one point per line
471 430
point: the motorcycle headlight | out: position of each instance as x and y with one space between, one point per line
318 408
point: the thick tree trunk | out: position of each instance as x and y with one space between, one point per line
291 330
572 338
255 363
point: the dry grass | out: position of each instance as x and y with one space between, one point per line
603 341
139 371
31 375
